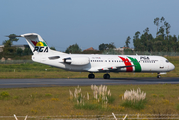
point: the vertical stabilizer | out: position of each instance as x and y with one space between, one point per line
37 44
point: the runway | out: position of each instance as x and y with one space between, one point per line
25 83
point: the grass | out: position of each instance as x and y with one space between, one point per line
100 100
4 95
110 99
177 107
89 106
138 105
56 101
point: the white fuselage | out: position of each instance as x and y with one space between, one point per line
106 63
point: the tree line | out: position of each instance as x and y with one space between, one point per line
162 42
102 47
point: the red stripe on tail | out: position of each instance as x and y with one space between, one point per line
34 42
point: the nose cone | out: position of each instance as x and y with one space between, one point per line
172 67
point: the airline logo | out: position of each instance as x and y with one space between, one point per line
38 43
128 62
40 46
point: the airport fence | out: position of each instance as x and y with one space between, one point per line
99 117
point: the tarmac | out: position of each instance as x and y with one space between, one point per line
26 83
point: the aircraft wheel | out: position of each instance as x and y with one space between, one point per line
91 76
106 76
158 76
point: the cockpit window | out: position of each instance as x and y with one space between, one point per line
167 61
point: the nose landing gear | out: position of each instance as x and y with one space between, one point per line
158 76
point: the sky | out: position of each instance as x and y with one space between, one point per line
88 23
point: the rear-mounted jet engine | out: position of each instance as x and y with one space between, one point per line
77 60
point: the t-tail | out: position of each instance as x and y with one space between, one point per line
38 45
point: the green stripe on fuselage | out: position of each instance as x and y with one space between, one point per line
136 63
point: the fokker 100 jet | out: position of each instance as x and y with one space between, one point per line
95 63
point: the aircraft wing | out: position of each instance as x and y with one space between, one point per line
114 68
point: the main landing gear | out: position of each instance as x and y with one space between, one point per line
92 76
106 76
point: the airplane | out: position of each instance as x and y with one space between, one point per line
95 63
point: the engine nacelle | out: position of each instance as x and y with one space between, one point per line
78 60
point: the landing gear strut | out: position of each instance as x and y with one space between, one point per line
91 76
158 76
106 76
